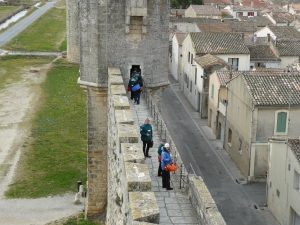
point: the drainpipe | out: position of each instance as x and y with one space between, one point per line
225 115
250 144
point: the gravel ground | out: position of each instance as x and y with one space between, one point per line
18 101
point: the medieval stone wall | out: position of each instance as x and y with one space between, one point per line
106 40
129 197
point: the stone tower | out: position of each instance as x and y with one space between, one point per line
127 34
73 38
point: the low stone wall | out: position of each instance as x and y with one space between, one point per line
129 198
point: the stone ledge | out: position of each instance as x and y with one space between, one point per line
137 177
117 90
127 133
124 117
133 153
115 80
114 71
120 102
203 202
143 207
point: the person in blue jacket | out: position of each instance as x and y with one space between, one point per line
166 159
146 136
159 151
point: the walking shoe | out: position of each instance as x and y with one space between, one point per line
169 188
148 156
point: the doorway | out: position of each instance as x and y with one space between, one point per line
136 68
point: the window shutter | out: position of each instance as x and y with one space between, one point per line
212 91
281 122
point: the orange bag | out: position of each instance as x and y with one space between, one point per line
171 167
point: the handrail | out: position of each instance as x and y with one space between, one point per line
158 120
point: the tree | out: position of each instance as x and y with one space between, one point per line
185 3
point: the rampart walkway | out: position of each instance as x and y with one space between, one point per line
174 206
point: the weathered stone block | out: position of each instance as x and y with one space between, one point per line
118 90
133 153
114 71
137 177
114 80
124 117
120 102
127 133
143 207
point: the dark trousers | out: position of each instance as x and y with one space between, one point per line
146 146
137 96
165 179
131 95
159 173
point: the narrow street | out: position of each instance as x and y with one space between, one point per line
235 201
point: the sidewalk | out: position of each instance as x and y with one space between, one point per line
174 206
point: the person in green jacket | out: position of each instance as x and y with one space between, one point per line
159 151
146 136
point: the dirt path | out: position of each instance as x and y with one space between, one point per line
18 102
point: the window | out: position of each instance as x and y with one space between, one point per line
238 111
212 91
189 55
187 83
296 181
191 58
250 13
240 146
234 62
195 76
239 13
191 86
281 122
278 193
229 137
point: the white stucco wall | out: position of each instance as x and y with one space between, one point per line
184 27
189 12
280 178
264 33
288 60
267 64
244 60
176 59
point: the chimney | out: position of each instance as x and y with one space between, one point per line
176 13
242 34
255 38
231 2
252 3
268 38
230 72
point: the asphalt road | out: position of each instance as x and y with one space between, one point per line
235 201
24 23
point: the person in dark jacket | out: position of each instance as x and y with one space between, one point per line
137 93
146 137
159 151
132 80
166 159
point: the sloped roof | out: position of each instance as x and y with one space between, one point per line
285 32
288 47
262 53
294 144
243 26
218 27
250 40
225 2
223 76
205 10
209 60
180 12
260 21
174 19
218 43
225 13
180 37
245 8
283 17
273 89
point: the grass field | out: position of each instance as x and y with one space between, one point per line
48 33
11 66
55 158
4 10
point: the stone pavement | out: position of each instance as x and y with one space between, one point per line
174 205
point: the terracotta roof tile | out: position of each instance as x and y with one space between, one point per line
285 31
218 27
262 53
180 37
274 89
206 10
209 60
218 43
288 47
283 17
294 144
243 26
